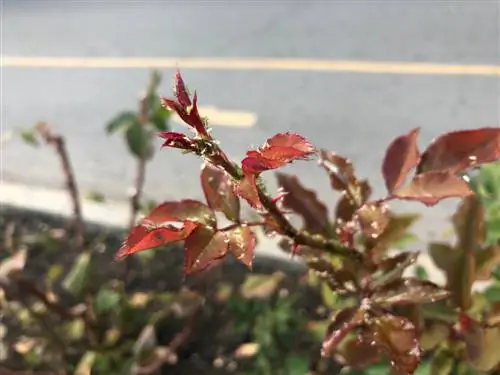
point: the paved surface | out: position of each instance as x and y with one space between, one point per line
352 113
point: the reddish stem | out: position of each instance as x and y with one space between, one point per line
236 225
59 144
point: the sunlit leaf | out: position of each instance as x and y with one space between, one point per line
373 219
143 238
347 205
392 268
178 140
401 157
340 170
242 241
78 278
397 337
261 286
185 108
86 363
203 246
279 150
246 188
219 193
432 187
395 232
409 291
179 211
304 202
247 350
459 150
180 90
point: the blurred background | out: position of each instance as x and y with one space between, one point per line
386 67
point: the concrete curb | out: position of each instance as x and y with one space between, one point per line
115 214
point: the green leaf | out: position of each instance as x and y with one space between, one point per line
146 341
329 297
160 118
54 272
421 272
79 276
107 300
442 363
296 365
492 294
95 196
29 136
482 346
122 122
393 268
409 291
84 366
139 141
75 329
434 333
261 286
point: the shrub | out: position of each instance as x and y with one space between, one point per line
66 308
357 311
382 314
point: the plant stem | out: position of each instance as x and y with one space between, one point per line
302 237
135 199
59 144
236 225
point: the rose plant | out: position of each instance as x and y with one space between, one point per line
391 316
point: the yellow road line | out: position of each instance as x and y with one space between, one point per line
387 67
224 117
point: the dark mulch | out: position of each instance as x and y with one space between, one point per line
163 273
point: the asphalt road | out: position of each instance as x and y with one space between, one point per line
355 114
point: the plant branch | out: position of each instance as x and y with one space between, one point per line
135 199
301 237
169 354
248 224
59 144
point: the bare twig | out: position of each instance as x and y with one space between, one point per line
172 347
135 199
59 144
6 371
